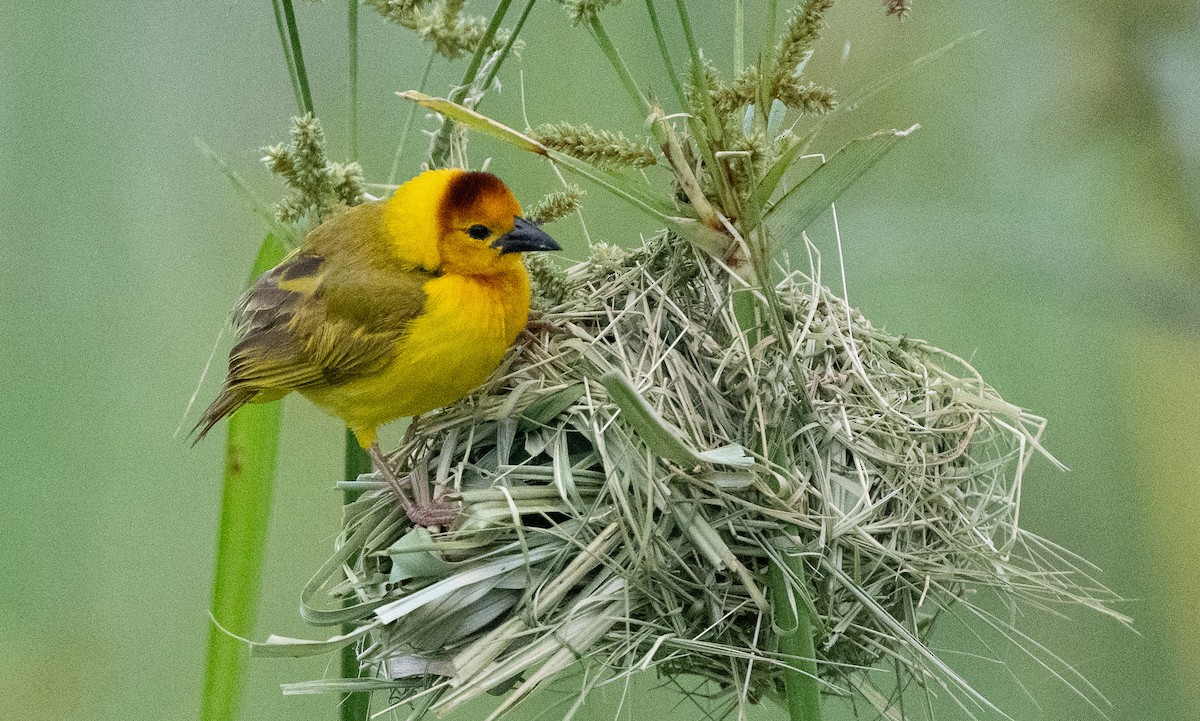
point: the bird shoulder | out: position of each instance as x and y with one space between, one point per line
331 311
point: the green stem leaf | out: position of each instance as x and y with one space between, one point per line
665 52
801 205
287 55
441 143
289 15
250 459
352 51
356 705
508 45
618 63
794 628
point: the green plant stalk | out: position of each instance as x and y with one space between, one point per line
408 121
729 199
666 54
354 705
710 115
739 37
352 51
512 39
441 143
614 58
766 69
250 459
293 32
794 628
795 633
287 53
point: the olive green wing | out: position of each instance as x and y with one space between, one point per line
314 321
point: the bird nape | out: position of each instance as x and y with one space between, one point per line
389 309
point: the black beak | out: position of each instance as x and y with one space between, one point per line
524 237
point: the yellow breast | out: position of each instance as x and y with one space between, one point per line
468 324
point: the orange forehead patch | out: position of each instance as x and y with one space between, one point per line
474 197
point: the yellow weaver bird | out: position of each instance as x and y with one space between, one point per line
389 309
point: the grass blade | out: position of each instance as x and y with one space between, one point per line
665 52
287 55
441 142
352 51
801 205
793 625
662 438
297 55
623 188
250 459
354 706
508 45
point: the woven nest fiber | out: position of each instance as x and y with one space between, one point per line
643 459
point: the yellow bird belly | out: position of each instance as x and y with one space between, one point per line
450 349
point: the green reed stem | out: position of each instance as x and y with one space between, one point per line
250 459
666 54
408 122
354 706
441 143
715 131
512 39
712 136
766 68
794 627
287 54
793 624
614 58
352 51
289 15
739 37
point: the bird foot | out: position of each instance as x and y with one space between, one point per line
424 512
537 326
434 513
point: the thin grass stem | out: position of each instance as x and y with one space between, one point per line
666 54
766 68
710 115
614 58
508 45
287 55
705 141
354 706
293 32
739 37
441 143
394 173
352 51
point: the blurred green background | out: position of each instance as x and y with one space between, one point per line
1042 223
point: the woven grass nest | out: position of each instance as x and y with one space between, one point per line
640 463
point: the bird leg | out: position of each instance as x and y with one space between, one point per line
427 512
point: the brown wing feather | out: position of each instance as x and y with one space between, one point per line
320 318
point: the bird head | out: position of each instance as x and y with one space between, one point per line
462 222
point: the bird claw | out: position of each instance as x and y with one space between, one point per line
434 513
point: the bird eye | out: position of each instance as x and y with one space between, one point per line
478 232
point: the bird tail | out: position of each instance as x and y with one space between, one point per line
228 401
